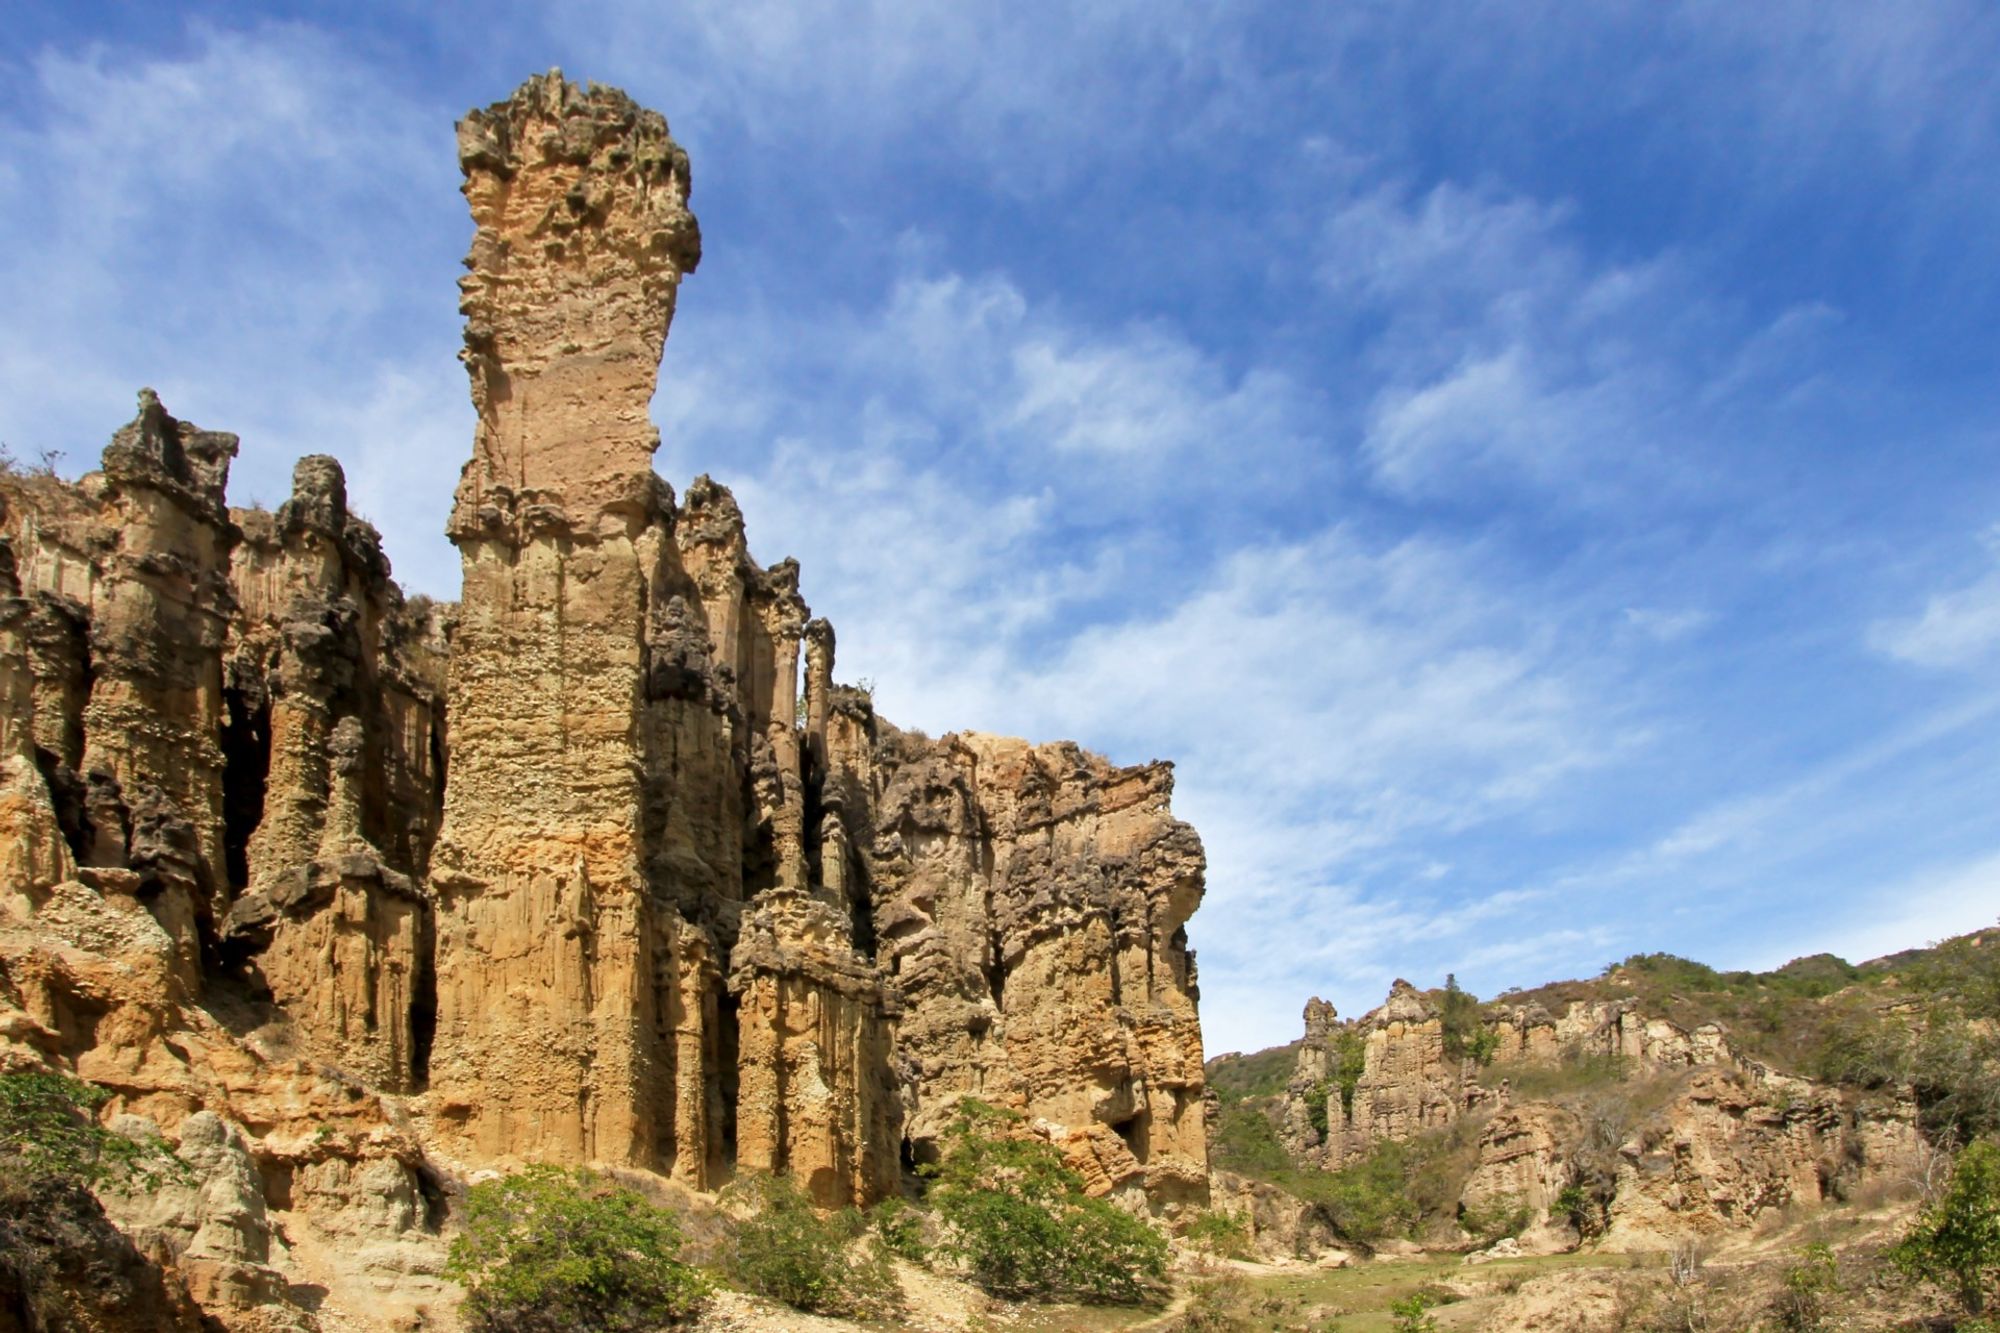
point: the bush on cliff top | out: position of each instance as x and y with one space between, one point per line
551 1250
1018 1219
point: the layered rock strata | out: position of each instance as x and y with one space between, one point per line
169 668
680 926
1681 1134
350 895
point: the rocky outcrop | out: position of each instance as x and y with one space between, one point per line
1736 1144
1390 1075
64 1265
680 926
1384 1076
1030 904
348 895
1654 1133
335 739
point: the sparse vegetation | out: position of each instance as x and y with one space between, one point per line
550 1250
1956 1242
1927 1019
1806 1295
1018 1220
1237 1078
785 1250
1412 1313
1220 1232
48 1128
1216 1303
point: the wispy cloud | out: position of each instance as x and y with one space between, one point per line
254 228
1496 474
1957 628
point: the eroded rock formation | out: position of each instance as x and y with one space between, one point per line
351 895
1675 1134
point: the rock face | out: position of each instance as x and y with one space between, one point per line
1030 904
1680 1136
349 894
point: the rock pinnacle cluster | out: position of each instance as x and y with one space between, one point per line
354 895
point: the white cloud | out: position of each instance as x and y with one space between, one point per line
1507 357
1933 904
1028 95
262 229
1959 628
1665 626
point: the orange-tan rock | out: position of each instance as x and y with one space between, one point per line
350 895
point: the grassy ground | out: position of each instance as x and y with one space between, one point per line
1357 1300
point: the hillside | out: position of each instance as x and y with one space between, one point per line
1658 1101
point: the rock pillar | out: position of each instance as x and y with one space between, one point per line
558 1020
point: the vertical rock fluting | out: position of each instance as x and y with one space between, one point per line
334 699
684 904
1030 902
554 1036
128 578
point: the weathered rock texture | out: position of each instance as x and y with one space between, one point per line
348 894
1688 1138
220 735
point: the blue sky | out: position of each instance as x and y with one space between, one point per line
1535 467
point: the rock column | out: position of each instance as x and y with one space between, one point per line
554 1037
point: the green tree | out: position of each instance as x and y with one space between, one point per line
1956 1241
788 1252
1019 1221
551 1250
48 1127
1465 1036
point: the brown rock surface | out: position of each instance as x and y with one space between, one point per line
346 894
1683 1136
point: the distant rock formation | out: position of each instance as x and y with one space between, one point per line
1722 1139
351 894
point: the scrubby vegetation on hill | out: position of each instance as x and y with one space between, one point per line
1920 1028
1925 1018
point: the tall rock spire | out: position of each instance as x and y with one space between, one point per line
580 198
560 969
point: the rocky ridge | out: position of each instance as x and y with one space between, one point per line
1634 1132
352 896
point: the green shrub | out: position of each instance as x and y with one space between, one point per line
1412 1313
550 1250
1350 1060
1220 1232
1245 1140
788 1252
1019 1221
900 1229
47 1128
1956 1241
1370 1199
1316 1097
1584 1208
1465 1035
1501 1215
1808 1290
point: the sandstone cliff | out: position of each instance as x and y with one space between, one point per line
351 895
1595 1120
